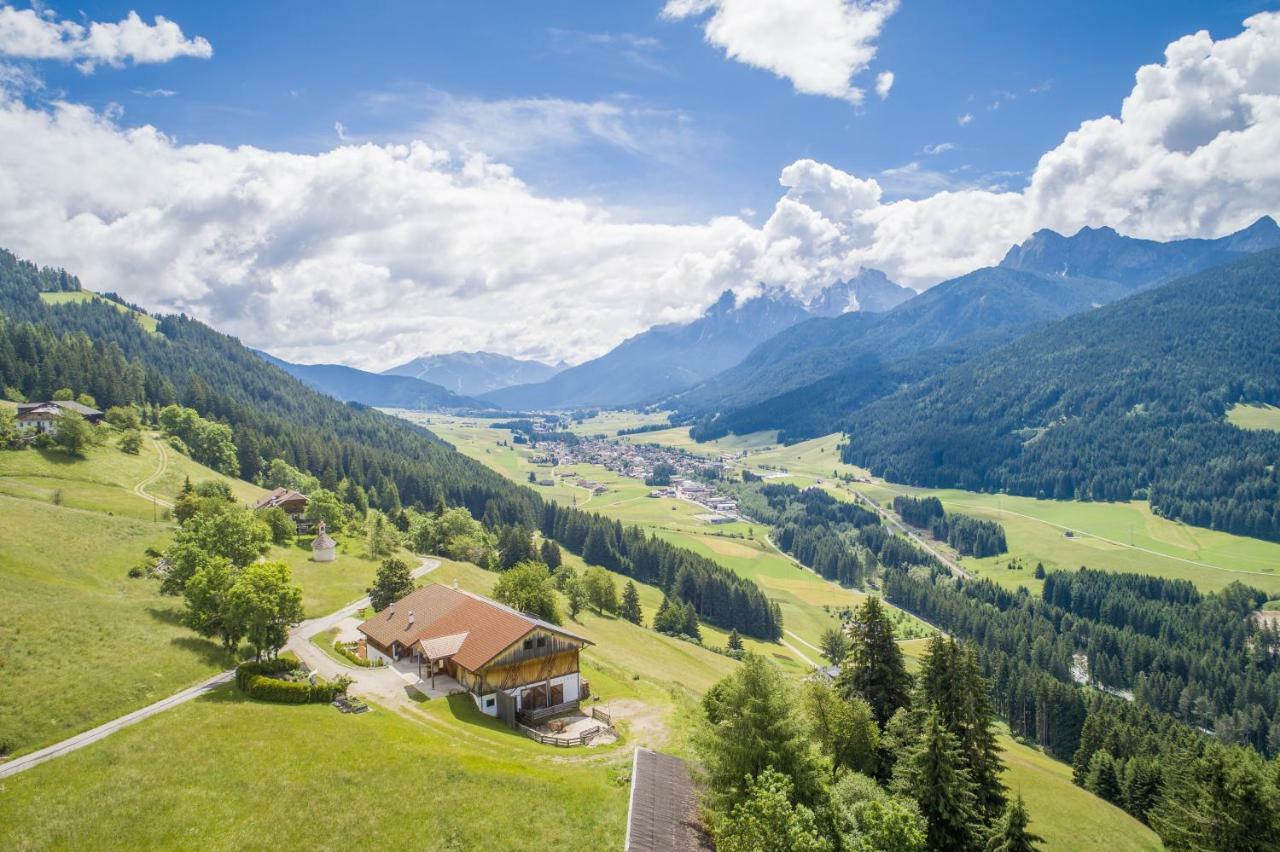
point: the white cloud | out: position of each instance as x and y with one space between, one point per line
884 82
510 127
819 45
964 118
26 34
367 254
939 148
340 129
154 93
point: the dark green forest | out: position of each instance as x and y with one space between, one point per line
1124 402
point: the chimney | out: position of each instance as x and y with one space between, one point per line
410 618
455 583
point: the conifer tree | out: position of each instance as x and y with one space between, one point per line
933 773
1011 834
631 604
874 668
734 642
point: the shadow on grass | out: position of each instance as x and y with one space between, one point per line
462 708
53 456
207 650
170 615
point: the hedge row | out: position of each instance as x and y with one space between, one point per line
349 655
253 679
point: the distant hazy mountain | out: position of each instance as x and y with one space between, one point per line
351 385
663 359
846 361
870 290
474 373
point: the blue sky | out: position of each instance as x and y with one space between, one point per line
717 131
369 182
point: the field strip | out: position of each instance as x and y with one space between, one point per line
802 641
793 649
1078 531
84 738
161 466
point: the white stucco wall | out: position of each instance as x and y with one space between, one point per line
374 654
481 700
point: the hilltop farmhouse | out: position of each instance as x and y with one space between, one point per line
509 662
42 416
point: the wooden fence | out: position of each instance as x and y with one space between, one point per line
564 742
601 716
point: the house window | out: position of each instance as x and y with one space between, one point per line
542 641
528 643
488 703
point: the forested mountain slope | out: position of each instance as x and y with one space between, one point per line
92 347
1126 401
351 385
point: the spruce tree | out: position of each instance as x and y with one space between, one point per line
874 668
734 642
1011 834
631 604
933 773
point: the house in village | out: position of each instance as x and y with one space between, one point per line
41 416
511 663
293 502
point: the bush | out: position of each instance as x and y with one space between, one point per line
131 442
245 671
350 655
255 681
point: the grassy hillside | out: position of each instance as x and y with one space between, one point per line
306 777
73 297
70 530
1066 816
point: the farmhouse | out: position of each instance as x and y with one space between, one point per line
294 504
42 416
510 662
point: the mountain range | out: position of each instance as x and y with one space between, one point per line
351 385
668 358
475 373
842 363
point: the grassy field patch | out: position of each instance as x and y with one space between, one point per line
1255 416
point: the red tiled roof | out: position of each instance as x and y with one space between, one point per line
439 611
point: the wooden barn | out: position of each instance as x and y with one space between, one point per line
510 662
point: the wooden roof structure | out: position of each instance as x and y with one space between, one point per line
480 628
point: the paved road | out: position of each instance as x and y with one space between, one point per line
298 643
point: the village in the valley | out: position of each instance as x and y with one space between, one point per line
673 472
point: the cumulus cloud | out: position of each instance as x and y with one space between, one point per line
26 34
964 118
367 254
939 148
884 82
819 45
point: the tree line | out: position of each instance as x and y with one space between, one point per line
969 536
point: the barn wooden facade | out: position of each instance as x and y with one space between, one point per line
510 662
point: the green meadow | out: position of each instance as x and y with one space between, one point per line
75 297
1255 416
